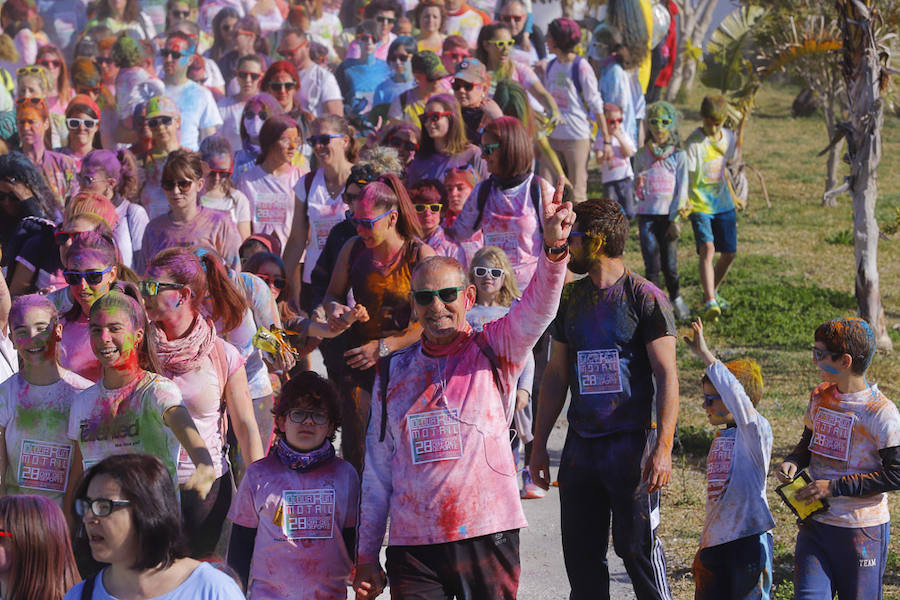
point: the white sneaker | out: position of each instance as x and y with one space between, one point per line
530 490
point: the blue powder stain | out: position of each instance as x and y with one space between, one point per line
462 530
828 369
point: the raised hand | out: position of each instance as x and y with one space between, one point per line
558 217
697 345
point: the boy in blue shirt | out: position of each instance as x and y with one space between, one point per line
735 556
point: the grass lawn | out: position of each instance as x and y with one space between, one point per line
794 270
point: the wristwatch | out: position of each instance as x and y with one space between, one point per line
382 348
556 250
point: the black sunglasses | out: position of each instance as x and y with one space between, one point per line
281 85
447 295
92 277
156 122
462 84
278 282
399 142
708 399
152 288
173 54
323 139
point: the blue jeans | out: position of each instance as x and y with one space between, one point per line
846 560
739 570
659 253
622 191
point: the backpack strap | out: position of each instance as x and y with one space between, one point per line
534 190
220 364
307 187
492 359
384 371
87 590
576 76
484 190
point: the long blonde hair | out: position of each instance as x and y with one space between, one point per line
494 256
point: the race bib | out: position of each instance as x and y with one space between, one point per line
598 372
322 227
560 89
270 209
183 458
712 170
44 465
718 464
659 182
434 436
307 514
508 241
831 434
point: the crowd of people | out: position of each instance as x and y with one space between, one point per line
197 196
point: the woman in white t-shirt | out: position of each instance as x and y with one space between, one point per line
34 404
219 192
320 202
270 183
208 371
122 502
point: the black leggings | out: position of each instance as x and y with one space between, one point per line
203 519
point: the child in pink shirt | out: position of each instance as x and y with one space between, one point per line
295 513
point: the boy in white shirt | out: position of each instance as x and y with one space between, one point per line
615 163
735 556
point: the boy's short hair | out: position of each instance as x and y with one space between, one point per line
311 390
748 373
715 108
603 219
849 335
609 107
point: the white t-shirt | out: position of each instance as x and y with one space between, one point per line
230 108
205 583
129 232
272 200
198 111
9 360
618 167
558 81
235 204
317 86
323 213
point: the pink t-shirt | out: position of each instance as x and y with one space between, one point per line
202 392
445 470
848 431
211 226
272 200
299 551
75 352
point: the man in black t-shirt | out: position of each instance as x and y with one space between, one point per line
614 349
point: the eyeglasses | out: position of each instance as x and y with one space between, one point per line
709 399
101 507
658 122
173 54
61 237
73 123
422 208
398 143
280 86
278 282
484 271
456 55
103 60
447 295
157 122
388 20
575 234
152 288
49 64
323 139
500 44
32 101
365 37
512 18
399 58
250 115
92 277
244 32
181 14
249 75
299 415
87 180
289 52
183 184
614 121
366 223
819 355
27 70
462 84
435 116
488 149
220 173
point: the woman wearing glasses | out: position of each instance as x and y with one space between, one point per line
320 202
248 72
83 122
219 192
444 144
188 222
429 19
429 198
495 44
280 81
376 265
401 78
122 502
33 126
34 404
270 183
209 372
404 138
60 94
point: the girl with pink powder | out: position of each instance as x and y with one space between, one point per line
299 505
208 371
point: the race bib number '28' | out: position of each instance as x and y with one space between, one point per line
434 436
598 372
831 434
307 514
44 465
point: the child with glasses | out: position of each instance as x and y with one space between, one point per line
615 169
429 199
735 555
295 513
219 192
851 447
496 290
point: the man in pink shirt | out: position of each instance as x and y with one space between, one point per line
438 459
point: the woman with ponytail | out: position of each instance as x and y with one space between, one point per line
377 266
132 408
208 370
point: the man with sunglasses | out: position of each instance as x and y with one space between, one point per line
359 77
613 349
199 114
438 459
248 72
318 91
384 13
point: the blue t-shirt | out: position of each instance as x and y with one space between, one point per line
358 80
205 583
389 89
607 332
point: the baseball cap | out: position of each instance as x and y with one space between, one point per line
428 64
471 70
161 106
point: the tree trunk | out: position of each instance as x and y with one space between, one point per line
834 154
863 71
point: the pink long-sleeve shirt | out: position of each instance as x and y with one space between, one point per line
445 471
